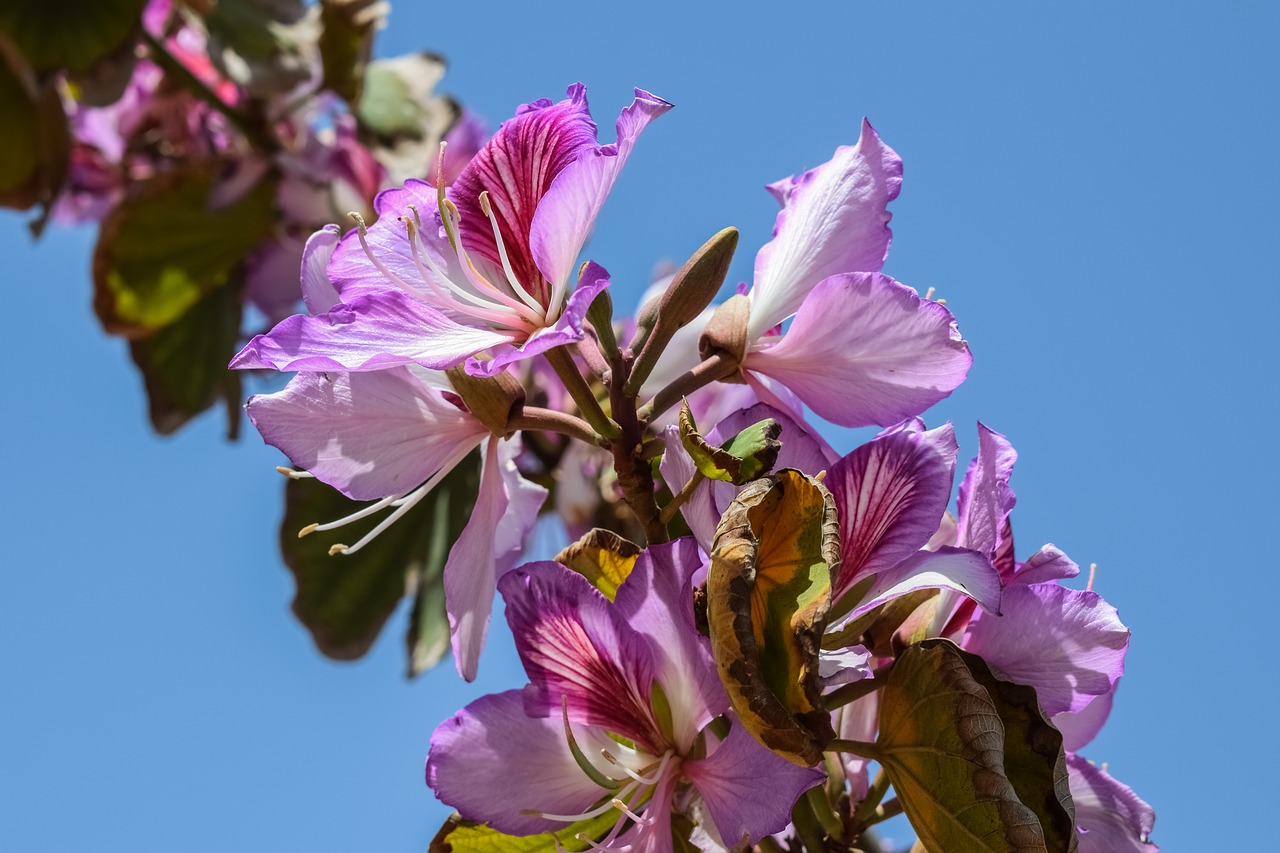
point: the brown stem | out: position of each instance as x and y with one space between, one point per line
717 367
635 475
547 420
669 511
581 392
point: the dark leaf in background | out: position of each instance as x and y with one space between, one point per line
35 143
346 43
70 34
184 364
259 43
164 248
974 763
345 599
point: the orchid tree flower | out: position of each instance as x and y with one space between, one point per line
861 348
390 436
624 714
485 267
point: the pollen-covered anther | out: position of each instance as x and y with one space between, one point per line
335 550
310 528
294 474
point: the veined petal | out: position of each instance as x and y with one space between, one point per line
1047 564
567 329
373 332
699 509
864 349
1080 728
833 220
318 291
986 500
351 270
950 568
749 790
1068 644
890 493
493 763
1110 817
576 649
517 167
506 508
859 720
369 435
656 600
565 215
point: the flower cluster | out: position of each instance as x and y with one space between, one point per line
794 616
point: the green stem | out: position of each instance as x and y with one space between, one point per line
892 808
807 827
875 793
719 366
848 693
580 391
823 811
547 420
193 84
669 511
860 748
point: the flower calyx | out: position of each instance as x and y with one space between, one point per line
495 401
726 331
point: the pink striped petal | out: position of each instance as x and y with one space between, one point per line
986 500
955 569
864 349
1110 817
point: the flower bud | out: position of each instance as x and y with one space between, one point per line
494 400
726 331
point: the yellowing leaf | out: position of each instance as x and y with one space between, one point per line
768 592
974 762
602 557
744 457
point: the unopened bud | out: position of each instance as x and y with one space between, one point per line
494 400
726 331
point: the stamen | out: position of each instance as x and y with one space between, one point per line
1093 571
502 253
441 201
644 780
622 807
821 475
596 812
355 516
928 294
602 847
310 528
361 233
478 281
292 474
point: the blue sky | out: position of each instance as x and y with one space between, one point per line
1092 188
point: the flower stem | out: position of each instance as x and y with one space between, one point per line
860 748
875 793
669 511
719 366
823 811
580 391
892 808
631 459
847 693
809 831
547 420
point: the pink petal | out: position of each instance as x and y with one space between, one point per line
864 349
1110 817
1080 728
318 291
369 435
506 509
1047 564
373 332
833 220
1068 644
890 493
986 500
956 569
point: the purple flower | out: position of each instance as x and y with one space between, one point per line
636 685
487 266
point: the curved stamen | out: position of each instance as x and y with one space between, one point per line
294 474
622 807
502 253
596 812
363 512
361 233
603 848
478 281
646 780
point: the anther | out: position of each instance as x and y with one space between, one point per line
293 474
928 294
335 550
820 476
310 528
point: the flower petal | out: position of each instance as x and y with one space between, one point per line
565 215
351 270
833 220
517 167
493 763
1068 644
369 435
567 330
374 331
506 508
986 500
318 291
957 569
1047 564
1110 817
269 277
656 600
575 648
1080 728
748 789
890 493
864 349
699 509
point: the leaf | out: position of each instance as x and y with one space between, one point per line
35 147
69 35
768 591
602 557
397 97
267 37
346 43
746 456
344 600
952 739
161 250
461 836
184 365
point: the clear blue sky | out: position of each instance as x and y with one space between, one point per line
1092 186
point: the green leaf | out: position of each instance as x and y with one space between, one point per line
346 43
746 456
267 36
161 250
397 99
345 599
460 836
184 365
974 763
768 591
35 145
69 35
602 557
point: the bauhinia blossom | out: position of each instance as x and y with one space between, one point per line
485 267
390 436
635 684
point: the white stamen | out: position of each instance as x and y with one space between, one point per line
361 234
604 848
355 516
645 780
292 474
596 812
502 253
1093 571
622 807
